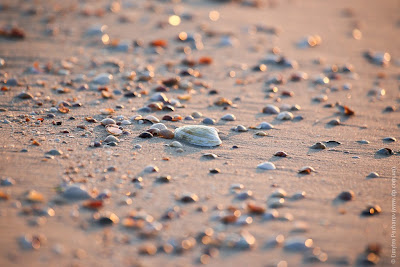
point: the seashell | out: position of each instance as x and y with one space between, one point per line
266 166
126 122
199 135
389 139
114 130
152 119
264 126
34 196
385 151
159 97
25 95
76 192
240 128
145 135
261 133
150 169
318 145
107 121
107 111
209 121
298 244
285 115
159 126
334 122
106 218
228 117
371 210
209 156
278 193
197 115
282 154
111 138
271 109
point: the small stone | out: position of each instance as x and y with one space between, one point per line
176 144
306 170
385 152
209 156
389 139
76 192
209 121
275 203
244 195
371 210
364 142
7 181
373 175
164 179
271 109
278 193
285 115
216 170
318 145
25 95
270 215
264 126
298 195
228 117
189 198
114 130
197 115
54 152
145 135
298 244
159 126
334 122
261 133
106 218
108 121
266 166
150 169
111 138
167 134
282 154
240 128
346 195
34 196
103 79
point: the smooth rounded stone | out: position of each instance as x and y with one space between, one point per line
261 133
209 121
389 139
176 144
54 152
29 242
164 179
318 145
295 108
300 227
281 154
209 156
266 166
189 118
215 170
278 193
159 126
102 79
11 82
150 169
111 138
25 95
145 135
321 98
298 195
137 146
298 244
285 115
167 134
159 97
306 170
243 241
346 195
364 142
76 192
373 175
53 109
271 109
385 151
244 195
189 198
2 62
197 115
334 122
390 109
228 117
276 241
179 150
114 130
106 218
108 121
112 144
285 107
199 135
264 126
24 150
240 129
270 215
236 187
275 203
7 181
152 119
126 122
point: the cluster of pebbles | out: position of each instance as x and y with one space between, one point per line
116 107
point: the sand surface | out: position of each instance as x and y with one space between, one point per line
74 239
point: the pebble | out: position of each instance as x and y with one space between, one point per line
199 135
285 115
106 218
145 135
298 244
318 145
261 133
275 203
108 121
114 130
197 115
76 192
189 198
385 151
244 195
209 121
7 181
150 169
266 166
281 154
371 210
264 126
389 139
164 179
176 144
278 193
373 175
306 170
346 195
298 195
54 152
159 126
270 215
334 122
271 109
240 128
167 134
228 117
209 156
364 142
102 79
25 95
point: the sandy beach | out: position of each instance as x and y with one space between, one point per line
287 84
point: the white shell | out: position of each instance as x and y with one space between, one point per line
266 166
228 117
198 135
176 144
159 126
265 126
114 130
